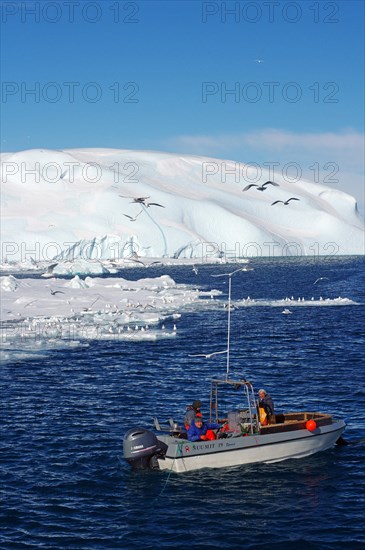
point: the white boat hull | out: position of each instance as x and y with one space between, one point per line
186 456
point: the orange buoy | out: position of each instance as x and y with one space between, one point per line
311 425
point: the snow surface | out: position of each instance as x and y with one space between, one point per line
60 206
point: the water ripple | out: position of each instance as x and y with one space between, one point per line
64 484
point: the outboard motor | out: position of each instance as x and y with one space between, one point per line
141 448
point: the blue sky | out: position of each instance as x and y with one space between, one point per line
157 75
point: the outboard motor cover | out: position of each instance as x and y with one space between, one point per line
139 446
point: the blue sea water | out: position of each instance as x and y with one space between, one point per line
64 483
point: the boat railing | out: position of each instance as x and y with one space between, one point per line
252 418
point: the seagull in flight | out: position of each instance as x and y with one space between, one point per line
53 292
135 261
148 204
285 202
29 303
233 272
50 268
320 279
131 217
208 355
259 60
260 187
140 200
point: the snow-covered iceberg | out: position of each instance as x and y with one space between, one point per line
105 204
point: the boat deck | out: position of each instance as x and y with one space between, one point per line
295 421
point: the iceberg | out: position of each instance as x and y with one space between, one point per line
107 205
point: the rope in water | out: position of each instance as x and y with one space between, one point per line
178 449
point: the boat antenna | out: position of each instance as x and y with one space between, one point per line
229 275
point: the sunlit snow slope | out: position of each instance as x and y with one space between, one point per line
68 204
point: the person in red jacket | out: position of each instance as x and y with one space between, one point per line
201 431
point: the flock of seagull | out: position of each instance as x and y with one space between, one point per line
263 187
144 204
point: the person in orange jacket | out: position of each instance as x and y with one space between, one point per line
266 403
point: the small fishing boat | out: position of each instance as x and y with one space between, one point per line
243 437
